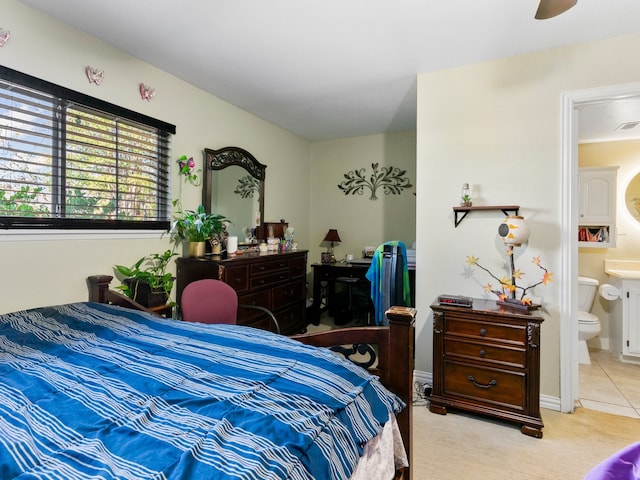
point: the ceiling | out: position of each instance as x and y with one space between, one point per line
335 68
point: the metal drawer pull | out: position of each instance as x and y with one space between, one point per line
483 353
483 331
492 383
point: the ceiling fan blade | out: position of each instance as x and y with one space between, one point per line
551 8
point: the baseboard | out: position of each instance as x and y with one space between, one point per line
546 401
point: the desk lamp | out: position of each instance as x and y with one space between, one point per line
331 237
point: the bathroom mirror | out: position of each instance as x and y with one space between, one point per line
632 197
234 187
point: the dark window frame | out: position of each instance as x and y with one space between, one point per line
109 111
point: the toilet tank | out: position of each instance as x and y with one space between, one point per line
587 288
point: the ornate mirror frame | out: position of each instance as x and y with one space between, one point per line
226 157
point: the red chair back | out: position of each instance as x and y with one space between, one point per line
209 301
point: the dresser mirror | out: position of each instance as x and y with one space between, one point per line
632 197
234 187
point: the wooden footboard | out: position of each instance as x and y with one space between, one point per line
394 347
395 359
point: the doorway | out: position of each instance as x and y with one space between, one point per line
571 103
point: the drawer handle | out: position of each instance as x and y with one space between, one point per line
491 383
483 332
483 353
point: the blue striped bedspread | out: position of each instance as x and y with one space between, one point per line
97 391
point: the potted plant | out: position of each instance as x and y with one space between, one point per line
147 281
198 227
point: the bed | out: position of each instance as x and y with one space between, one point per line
101 389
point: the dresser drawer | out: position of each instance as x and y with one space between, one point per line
237 277
292 319
489 385
286 294
297 268
499 354
262 299
493 331
267 268
269 280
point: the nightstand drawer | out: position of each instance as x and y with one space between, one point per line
494 331
507 355
489 385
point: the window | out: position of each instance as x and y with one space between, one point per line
71 161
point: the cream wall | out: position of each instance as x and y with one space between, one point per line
497 125
360 221
54 271
626 156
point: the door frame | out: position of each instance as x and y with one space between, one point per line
571 101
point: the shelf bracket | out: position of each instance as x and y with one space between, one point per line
464 211
458 220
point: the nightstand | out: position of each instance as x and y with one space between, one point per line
486 359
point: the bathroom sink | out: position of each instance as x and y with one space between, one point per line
623 268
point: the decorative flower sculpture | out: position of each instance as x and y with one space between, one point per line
187 167
508 287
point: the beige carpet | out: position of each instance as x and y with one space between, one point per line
463 446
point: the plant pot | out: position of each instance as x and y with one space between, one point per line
142 293
197 249
216 246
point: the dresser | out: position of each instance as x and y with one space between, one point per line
486 359
276 281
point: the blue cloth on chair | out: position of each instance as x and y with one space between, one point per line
379 291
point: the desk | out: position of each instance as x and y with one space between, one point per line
327 273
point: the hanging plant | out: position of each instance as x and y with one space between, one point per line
391 179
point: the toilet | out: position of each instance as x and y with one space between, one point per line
588 324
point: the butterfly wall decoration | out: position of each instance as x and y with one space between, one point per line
4 36
94 75
146 92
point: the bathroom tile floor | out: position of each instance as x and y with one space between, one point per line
610 386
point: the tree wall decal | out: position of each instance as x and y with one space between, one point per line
391 179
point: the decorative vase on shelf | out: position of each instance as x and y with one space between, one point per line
197 249
465 197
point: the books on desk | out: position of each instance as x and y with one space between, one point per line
361 261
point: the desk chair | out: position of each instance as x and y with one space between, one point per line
389 277
213 301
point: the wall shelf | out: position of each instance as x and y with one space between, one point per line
465 210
